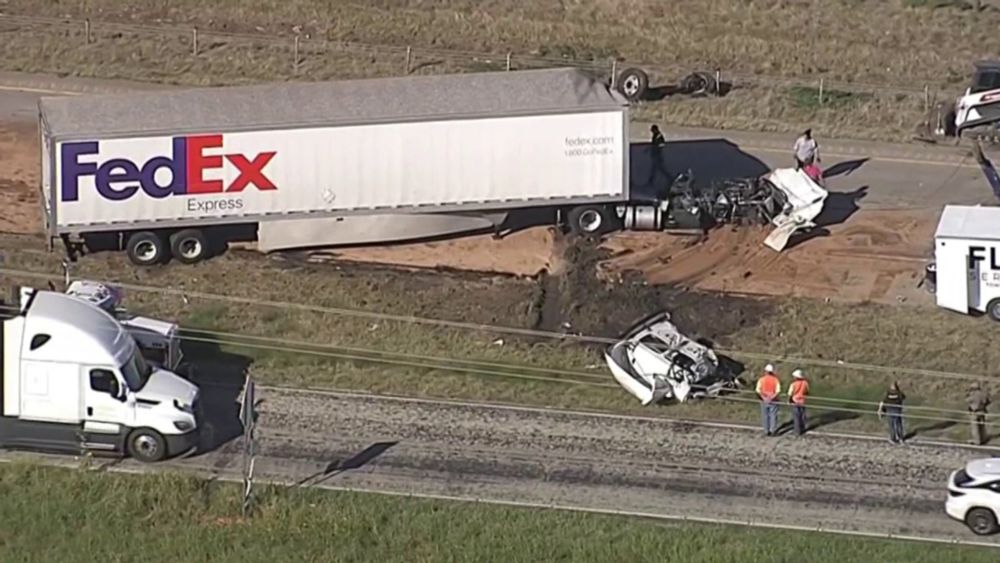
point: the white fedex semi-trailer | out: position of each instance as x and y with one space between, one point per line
316 164
298 165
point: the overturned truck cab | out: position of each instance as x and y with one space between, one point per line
655 361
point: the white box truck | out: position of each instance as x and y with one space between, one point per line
72 380
296 165
966 268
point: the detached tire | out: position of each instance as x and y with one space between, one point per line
146 248
147 445
589 220
993 309
633 84
982 521
189 246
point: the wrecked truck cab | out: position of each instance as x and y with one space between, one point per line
804 200
655 361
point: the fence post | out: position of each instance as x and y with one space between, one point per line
820 91
86 30
295 54
927 99
194 41
614 71
718 82
508 61
409 58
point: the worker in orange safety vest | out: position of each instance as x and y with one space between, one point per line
768 389
797 393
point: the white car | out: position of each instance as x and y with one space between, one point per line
980 104
654 361
974 496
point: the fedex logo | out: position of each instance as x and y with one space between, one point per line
119 179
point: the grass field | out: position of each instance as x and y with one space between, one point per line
406 358
858 41
49 514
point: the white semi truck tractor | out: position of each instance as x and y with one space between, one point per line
73 380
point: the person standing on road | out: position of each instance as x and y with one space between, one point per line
768 389
806 150
892 407
797 393
978 400
657 137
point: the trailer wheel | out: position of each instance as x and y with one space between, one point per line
993 309
189 246
589 220
146 248
147 445
633 83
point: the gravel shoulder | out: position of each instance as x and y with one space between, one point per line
657 467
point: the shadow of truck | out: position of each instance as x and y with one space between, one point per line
220 375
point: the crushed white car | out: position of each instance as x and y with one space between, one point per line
655 361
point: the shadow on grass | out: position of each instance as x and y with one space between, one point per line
831 417
935 427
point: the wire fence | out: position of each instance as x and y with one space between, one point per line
301 49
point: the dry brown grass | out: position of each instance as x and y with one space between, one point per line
839 40
849 40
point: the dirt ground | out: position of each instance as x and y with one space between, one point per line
19 179
873 255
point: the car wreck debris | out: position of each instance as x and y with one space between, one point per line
655 361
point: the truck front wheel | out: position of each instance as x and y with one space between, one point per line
189 246
146 248
147 445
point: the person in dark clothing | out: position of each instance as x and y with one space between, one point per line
658 138
892 407
978 400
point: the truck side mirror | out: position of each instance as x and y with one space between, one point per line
115 390
104 381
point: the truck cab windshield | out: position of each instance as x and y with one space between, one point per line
136 371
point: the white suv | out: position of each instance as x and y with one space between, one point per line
974 496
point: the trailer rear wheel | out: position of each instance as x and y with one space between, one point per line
147 445
589 220
993 309
146 248
189 246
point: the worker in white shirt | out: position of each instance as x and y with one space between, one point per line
806 150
